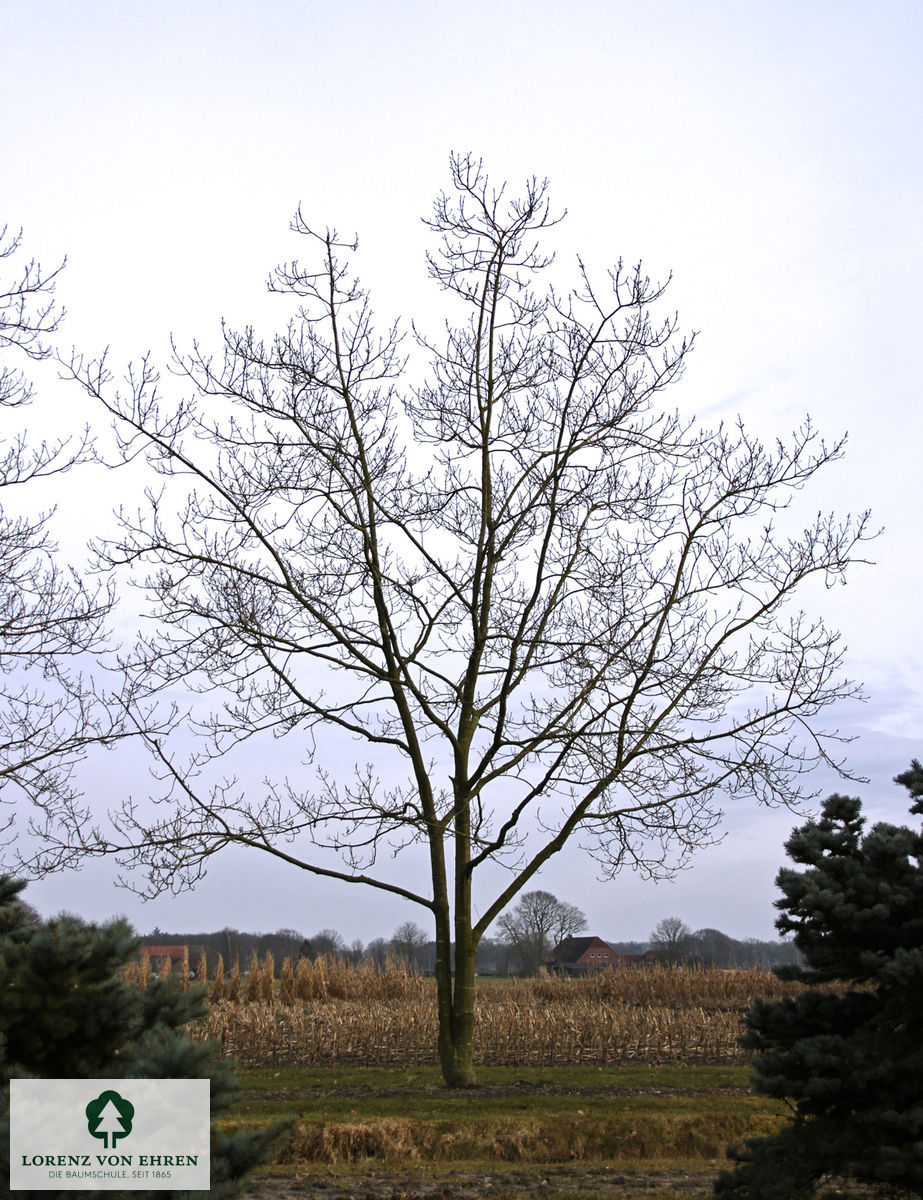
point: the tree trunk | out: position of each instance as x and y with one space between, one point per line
444 991
456 1034
456 1024
456 995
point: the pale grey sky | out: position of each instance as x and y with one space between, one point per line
768 155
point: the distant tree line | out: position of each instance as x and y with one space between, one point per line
674 942
528 935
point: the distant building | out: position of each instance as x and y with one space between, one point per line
581 955
176 955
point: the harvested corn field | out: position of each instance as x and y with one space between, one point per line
656 1015
523 1033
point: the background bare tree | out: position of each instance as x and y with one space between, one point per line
558 607
377 951
326 942
49 618
672 940
536 925
408 941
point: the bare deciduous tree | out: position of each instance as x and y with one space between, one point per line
49 617
377 952
564 610
672 939
537 924
325 943
407 941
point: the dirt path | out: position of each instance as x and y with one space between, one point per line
515 1090
590 1180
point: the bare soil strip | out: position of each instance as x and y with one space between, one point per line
585 1181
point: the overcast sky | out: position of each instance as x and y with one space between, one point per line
768 155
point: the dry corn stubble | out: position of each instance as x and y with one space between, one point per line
325 1013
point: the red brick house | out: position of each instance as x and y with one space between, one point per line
580 955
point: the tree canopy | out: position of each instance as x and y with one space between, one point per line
50 618
541 604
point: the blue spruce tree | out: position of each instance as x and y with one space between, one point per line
65 1013
849 1060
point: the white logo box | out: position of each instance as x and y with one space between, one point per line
148 1134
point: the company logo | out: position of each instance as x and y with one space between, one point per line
109 1135
109 1117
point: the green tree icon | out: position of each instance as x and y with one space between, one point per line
109 1116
